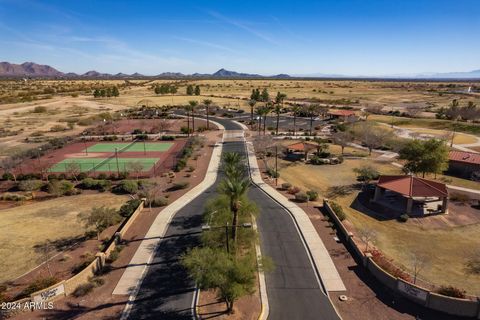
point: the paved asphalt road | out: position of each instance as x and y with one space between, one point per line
293 289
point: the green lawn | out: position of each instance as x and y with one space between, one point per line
136 147
87 164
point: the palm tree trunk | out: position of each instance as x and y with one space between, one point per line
264 123
251 116
188 124
193 121
234 227
208 119
294 124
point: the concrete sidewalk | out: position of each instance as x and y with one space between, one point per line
322 261
135 270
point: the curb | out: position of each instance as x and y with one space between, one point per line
177 205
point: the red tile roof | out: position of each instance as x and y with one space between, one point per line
411 186
341 113
302 146
466 157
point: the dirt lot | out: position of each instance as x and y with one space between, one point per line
448 241
23 227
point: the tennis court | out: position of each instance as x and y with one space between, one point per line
130 147
104 164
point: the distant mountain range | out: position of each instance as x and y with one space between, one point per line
33 70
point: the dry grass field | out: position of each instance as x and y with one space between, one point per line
447 248
23 227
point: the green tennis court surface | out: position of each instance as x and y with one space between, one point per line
124 146
87 164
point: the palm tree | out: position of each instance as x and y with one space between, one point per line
235 190
193 104
251 103
295 109
277 110
207 103
311 109
232 165
266 111
188 108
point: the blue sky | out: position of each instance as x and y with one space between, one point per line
352 37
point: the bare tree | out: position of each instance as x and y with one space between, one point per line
162 125
73 169
372 109
372 136
342 139
368 236
418 262
46 249
414 111
262 144
149 191
136 167
8 165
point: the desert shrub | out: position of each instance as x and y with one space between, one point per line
30 185
403 218
115 253
181 164
61 187
388 266
58 128
312 195
127 186
95 184
185 130
180 185
459 197
338 210
39 109
272 173
201 129
191 169
83 289
36 285
451 291
128 208
293 190
286 185
13 197
7 176
301 196
159 202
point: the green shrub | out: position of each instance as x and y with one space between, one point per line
403 218
180 185
272 173
181 164
36 285
61 187
167 138
127 186
115 253
286 186
185 130
459 197
312 195
338 210
451 291
301 196
127 209
95 184
7 176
